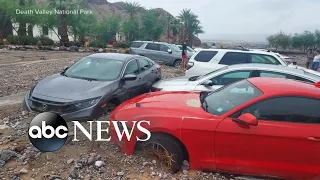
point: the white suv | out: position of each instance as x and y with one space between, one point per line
207 60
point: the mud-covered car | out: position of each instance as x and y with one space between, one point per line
93 86
258 126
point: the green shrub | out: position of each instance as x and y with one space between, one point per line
45 41
97 44
13 39
72 43
123 44
1 42
28 40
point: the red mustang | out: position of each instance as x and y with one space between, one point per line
260 126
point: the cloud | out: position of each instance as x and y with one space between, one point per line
242 18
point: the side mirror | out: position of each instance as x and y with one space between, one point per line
169 51
65 68
294 63
129 77
247 119
207 83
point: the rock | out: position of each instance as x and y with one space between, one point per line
6 155
23 171
24 113
145 163
91 160
185 172
120 173
74 174
99 164
70 161
154 161
185 163
2 163
2 127
100 50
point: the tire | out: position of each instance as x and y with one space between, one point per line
170 146
177 63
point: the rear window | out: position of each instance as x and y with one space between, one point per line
136 44
205 56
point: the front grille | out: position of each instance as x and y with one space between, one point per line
48 106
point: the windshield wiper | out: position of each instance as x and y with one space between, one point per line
89 79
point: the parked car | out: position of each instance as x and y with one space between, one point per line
93 86
207 60
158 51
230 74
256 126
190 51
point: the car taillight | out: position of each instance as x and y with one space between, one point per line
190 65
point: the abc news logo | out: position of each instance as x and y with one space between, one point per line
48 132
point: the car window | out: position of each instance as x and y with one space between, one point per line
153 46
287 109
132 68
231 58
229 97
151 63
205 56
144 65
272 74
303 79
230 77
263 59
136 44
164 48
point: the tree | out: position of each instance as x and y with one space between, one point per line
317 38
132 8
152 25
297 41
109 27
176 28
82 25
191 24
62 6
130 28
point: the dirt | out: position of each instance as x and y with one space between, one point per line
19 71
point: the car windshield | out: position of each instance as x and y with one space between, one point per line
229 97
92 68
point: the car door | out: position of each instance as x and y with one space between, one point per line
164 55
145 77
152 51
231 58
224 79
285 143
132 87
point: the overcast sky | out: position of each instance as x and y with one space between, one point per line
245 20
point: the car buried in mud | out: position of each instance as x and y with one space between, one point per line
93 86
256 126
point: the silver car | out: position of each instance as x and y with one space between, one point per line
158 51
230 74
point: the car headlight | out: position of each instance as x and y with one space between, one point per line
85 104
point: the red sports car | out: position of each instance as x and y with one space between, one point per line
260 126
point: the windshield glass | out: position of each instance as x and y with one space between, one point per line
215 71
229 97
95 69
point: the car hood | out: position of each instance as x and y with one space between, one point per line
66 89
178 81
185 104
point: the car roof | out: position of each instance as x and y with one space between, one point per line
238 50
282 86
273 67
114 56
152 42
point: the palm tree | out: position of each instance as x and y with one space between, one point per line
64 5
191 24
132 8
176 27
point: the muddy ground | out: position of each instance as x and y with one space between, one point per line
19 71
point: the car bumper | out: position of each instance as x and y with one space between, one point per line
86 114
125 146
